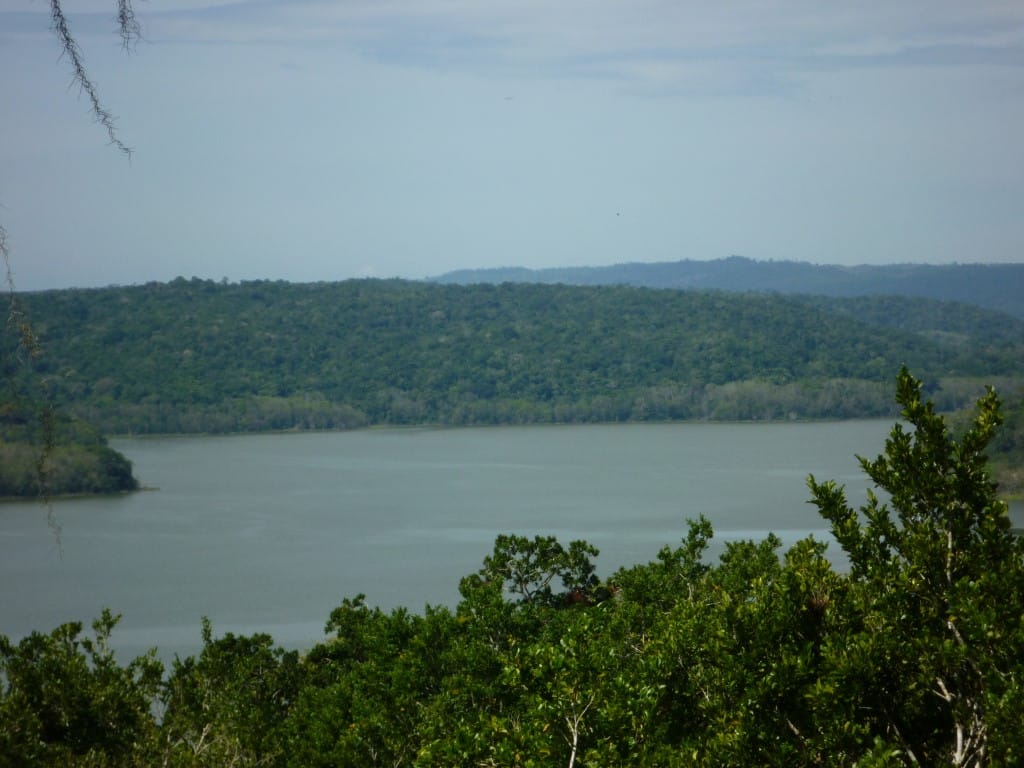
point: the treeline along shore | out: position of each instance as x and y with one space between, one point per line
195 356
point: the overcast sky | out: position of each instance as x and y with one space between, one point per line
312 140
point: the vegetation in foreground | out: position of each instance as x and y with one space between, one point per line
915 656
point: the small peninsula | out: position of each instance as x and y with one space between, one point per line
46 453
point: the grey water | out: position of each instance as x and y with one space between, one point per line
268 533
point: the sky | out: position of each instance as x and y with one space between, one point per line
308 140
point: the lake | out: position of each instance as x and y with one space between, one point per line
269 532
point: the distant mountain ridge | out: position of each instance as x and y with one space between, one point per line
997 287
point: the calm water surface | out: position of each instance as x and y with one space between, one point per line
269 532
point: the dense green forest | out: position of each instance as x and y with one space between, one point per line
44 453
200 356
992 286
913 655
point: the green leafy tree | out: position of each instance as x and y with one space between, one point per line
227 706
933 660
66 701
528 567
368 687
678 570
471 709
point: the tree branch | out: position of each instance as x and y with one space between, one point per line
129 31
129 26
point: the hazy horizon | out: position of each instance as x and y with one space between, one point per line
322 140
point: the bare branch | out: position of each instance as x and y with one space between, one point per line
129 27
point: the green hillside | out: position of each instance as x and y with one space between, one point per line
198 356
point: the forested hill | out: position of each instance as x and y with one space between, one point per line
200 356
993 286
